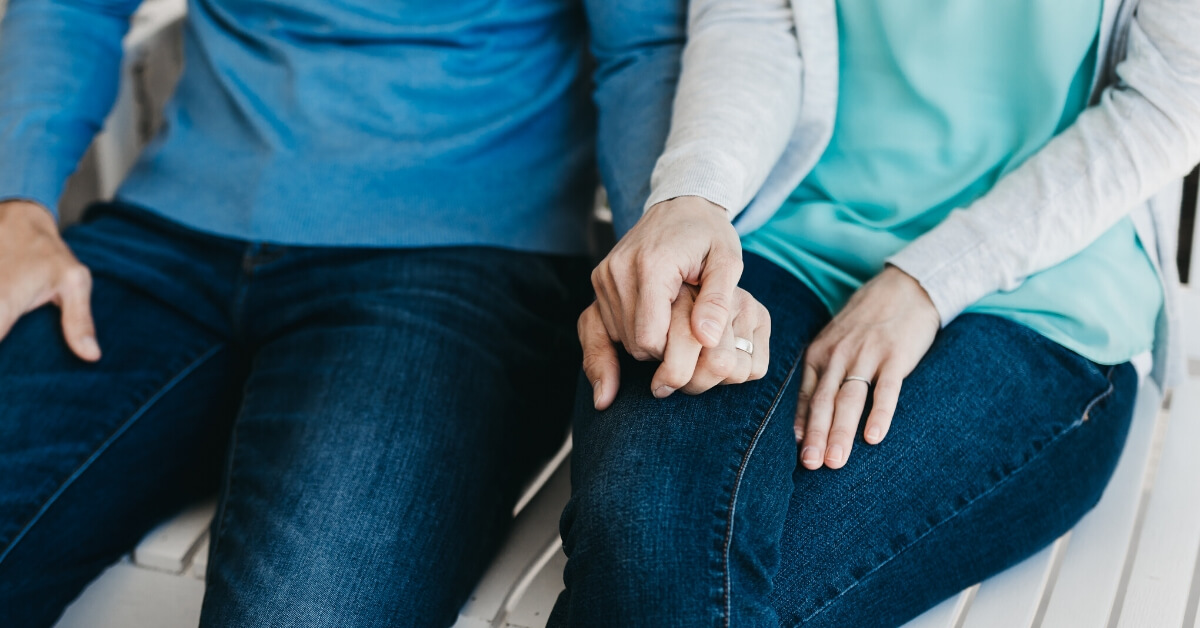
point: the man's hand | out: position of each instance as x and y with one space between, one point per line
687 365
880 336
686 240
37 268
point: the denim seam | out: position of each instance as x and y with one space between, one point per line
1087 410
124 427
1070 428
217 527
762 426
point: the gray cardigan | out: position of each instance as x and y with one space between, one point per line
755 109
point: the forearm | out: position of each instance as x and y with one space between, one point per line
737 102
1144 133
59 67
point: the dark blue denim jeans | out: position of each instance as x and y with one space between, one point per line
692 511
368 417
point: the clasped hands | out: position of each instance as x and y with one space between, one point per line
668 292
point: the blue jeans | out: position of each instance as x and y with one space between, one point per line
692 511
367 416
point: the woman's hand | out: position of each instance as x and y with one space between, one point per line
687 365
880 336
686 240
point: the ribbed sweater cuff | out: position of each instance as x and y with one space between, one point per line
715 178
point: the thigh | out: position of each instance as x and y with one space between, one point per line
1002 440
397 403
677 503
92 455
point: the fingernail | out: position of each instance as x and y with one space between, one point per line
835 453
90 345
711 329
663 391
799 434
873 433
810 455
595 392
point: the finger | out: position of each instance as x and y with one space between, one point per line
74 298
718 280
682 351
808 385
847 413
820 416
762 345
883 406
744 323
600 362
651 316
715 364
605 309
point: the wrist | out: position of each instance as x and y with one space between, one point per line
693 206
28 212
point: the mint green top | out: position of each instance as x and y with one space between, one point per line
938 100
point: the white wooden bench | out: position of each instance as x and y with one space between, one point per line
1131 562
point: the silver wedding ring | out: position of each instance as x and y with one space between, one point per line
856 378
743 344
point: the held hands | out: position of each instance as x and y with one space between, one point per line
646 300
683 240
687 365
879 336
37 268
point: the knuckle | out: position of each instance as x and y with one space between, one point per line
594 363
822 399
849 393
841 435
598 276
645 340
720 363
675 377
77 276
717 300
639 354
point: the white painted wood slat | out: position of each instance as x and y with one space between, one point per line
1166 552
1010 599
200 557
947 614
170 546
1094 560
128 596
535 605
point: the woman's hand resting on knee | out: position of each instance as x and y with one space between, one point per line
874 342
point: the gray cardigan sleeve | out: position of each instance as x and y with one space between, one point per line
1142 134
736 105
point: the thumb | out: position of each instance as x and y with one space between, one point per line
714 304
74 298
600 363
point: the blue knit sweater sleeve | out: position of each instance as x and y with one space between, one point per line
637 46
59 68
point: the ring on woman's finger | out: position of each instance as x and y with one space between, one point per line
856 378
743 344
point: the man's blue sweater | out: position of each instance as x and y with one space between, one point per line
357 122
